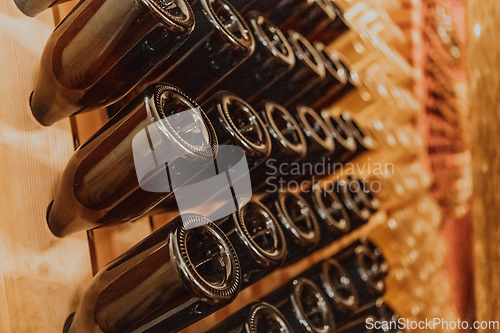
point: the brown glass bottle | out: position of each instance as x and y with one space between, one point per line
358 325
353 84
273 57
364 142
34 7
305 306
259 317
116 176
320 144
325 92
330 212
386 317
382 264
102 49
298 222
309 18
345 143
318 20
242 5
173 278
220 42
359 214
362 194
307 72
258 239
336 284
263 6
362 265
284 10
239 128
237 123
288 146
333 29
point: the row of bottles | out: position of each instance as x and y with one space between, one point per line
212 262
102 176
159 41
335 295
418 287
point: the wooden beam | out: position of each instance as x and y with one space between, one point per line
484 84
41 277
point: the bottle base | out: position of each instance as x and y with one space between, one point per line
68 322
26 8
34 113
49 208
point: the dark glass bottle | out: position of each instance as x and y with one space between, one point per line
237 123
309 18
34 7
345 143
318 20
331 214
307 72
258 240
351 87
362 195
358 325
359 215
333 29
382 263
242 5
263 6
305 306
102 49
336 284
288 146
259 317
282 10
116 176
364 142
297 221
240 130
273 57
220 42
386 317
325 92
362 265
320 144
173 278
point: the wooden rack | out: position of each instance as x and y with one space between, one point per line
43 277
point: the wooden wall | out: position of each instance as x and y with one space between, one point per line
484 81
41 277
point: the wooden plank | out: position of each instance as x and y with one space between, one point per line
42 277
483 67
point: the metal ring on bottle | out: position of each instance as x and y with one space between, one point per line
276 115
241 37
265 312
228 287
338 286
302 286
265 257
